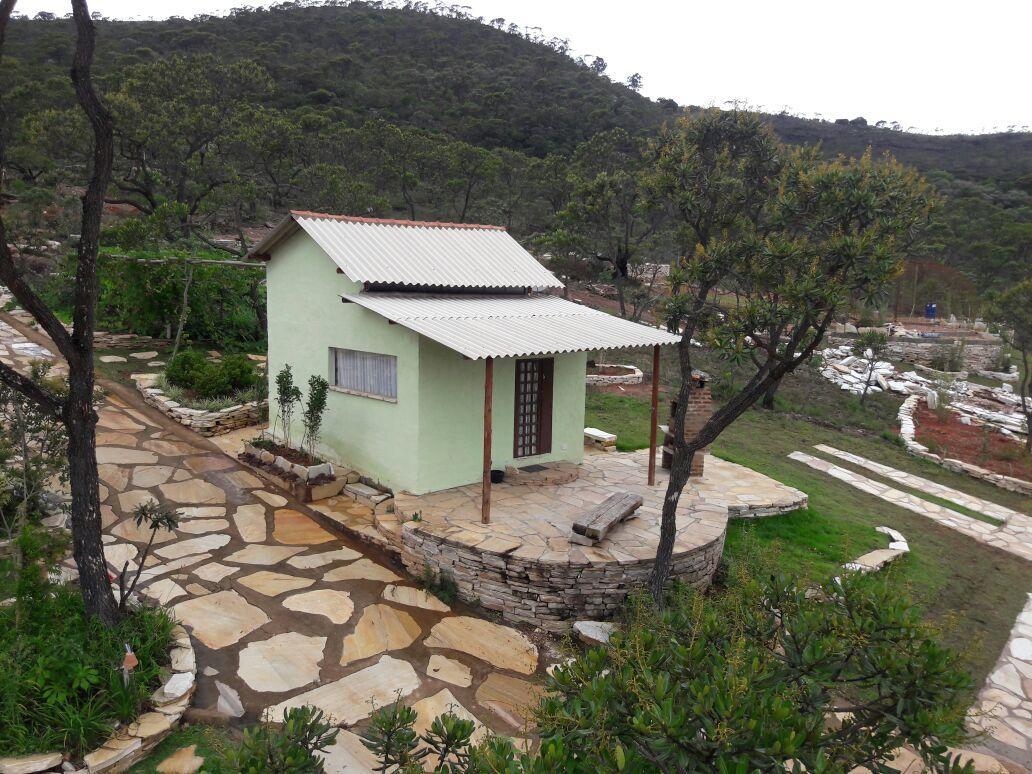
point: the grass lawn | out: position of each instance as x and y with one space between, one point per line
973 591
210 740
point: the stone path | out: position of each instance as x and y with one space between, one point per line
1006 698
282 611
924 485
1014 536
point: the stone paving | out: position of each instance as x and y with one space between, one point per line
1013 536
282 611
970 502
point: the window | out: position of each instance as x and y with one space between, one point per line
364 373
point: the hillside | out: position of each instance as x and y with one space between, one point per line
456 74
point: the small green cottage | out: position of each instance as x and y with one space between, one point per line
446 355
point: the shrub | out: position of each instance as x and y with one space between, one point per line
287 747
191 370
948 357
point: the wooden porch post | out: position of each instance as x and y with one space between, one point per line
655 415
485 502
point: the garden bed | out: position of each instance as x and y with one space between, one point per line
305 482
944 434
204 422
610 373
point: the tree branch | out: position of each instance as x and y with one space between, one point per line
44 400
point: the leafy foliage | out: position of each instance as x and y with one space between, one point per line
192 370
312 414
1013 310
288 395
289 747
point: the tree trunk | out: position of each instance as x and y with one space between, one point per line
768 397
183 311
680 469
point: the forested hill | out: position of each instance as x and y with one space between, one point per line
485 82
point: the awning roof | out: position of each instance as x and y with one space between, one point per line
417 253
480 326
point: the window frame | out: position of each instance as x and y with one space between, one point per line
332 357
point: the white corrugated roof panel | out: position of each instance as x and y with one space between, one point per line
399 252
480 326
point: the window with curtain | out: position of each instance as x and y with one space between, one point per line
365 373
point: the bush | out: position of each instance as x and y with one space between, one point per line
191 370
289 747
948 357
61 685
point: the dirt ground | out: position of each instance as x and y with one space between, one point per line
968 443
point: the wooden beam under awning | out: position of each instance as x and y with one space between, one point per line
485 501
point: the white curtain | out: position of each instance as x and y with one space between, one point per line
366 372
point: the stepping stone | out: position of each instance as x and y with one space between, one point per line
243 479
250 523
115 477
262 554
116 420
202 512
335 605
193 491
296 529
185 760
281 663
128 530
511 698
413 597
214 572
441 702
117 554
500 646
29 764
229 701
381 628
147 476
161 569
352 698
348 755
192 546
363 569
164 591
131 500
311 561
275 500
220 619
143 355
115 455
170 448
202 526
208 463
272 583
449 670
182 475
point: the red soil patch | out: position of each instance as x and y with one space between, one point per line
968 443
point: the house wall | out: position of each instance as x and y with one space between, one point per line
306 318
452 408
432 437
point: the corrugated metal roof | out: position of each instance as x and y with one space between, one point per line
480 326
416 253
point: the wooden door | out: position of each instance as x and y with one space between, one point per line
533 433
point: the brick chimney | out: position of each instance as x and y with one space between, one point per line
700 407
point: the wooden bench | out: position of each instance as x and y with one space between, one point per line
596 523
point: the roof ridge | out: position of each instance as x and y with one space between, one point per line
395 221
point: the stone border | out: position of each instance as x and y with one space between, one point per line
130 744
633 375
206 423
906 434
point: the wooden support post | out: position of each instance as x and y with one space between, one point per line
485 502
654 416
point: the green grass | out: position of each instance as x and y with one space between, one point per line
972 590
210 741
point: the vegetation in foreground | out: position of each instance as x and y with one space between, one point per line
61 681
759 674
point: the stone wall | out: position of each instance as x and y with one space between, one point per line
550 595
206 423
628 375
978 355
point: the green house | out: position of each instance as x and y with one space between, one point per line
424 331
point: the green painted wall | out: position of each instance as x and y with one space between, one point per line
432 437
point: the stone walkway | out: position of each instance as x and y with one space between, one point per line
1013 536
282 611
970 502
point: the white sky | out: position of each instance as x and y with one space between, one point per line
931 65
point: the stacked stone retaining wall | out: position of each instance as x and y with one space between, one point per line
978 355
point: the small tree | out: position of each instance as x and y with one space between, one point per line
157 516
869 347
287 397
1013 310
312 415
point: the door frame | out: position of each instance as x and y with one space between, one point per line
545 386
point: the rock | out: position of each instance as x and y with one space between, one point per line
183 761
229 701
29 764
311 561
412 597
441 702
113 750
150 724
333 604
143 355
220 619
449 670
250 523
594 632
295 528
262 554
363 569
348 755
381 628
175 688
511 698
282 662
501 646
272 584
112 359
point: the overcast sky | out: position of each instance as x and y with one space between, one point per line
946 66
